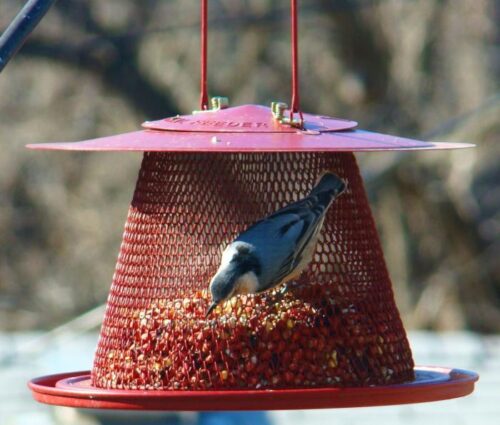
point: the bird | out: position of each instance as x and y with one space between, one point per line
276 249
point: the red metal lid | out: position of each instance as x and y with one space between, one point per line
248 128
431 384
245 119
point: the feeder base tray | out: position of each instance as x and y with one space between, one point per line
431 384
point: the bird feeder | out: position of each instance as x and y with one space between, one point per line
334 338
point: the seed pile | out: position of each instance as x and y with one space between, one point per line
250 342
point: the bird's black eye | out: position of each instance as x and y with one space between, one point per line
243 250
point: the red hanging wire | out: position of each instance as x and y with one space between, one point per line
204 60
295 106
295 57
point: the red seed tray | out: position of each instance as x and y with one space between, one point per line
431 384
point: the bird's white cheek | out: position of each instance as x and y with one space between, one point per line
247 284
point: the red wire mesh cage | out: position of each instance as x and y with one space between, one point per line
336 326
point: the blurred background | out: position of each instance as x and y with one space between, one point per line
418 68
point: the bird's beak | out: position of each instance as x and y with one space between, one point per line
210 309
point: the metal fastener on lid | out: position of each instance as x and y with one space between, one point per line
219 102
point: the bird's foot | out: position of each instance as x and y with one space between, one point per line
284 289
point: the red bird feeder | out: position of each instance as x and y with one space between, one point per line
334 339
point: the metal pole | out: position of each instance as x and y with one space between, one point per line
21 27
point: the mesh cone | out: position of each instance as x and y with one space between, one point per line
337 325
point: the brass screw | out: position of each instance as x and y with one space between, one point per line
219 103
278 110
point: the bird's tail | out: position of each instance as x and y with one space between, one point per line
328 187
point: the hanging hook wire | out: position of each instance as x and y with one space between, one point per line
295 106
204 56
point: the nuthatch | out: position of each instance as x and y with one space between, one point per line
276 249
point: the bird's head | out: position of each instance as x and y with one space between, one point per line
237 274
222 287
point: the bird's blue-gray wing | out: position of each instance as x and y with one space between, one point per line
272 246
281 238
309 219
